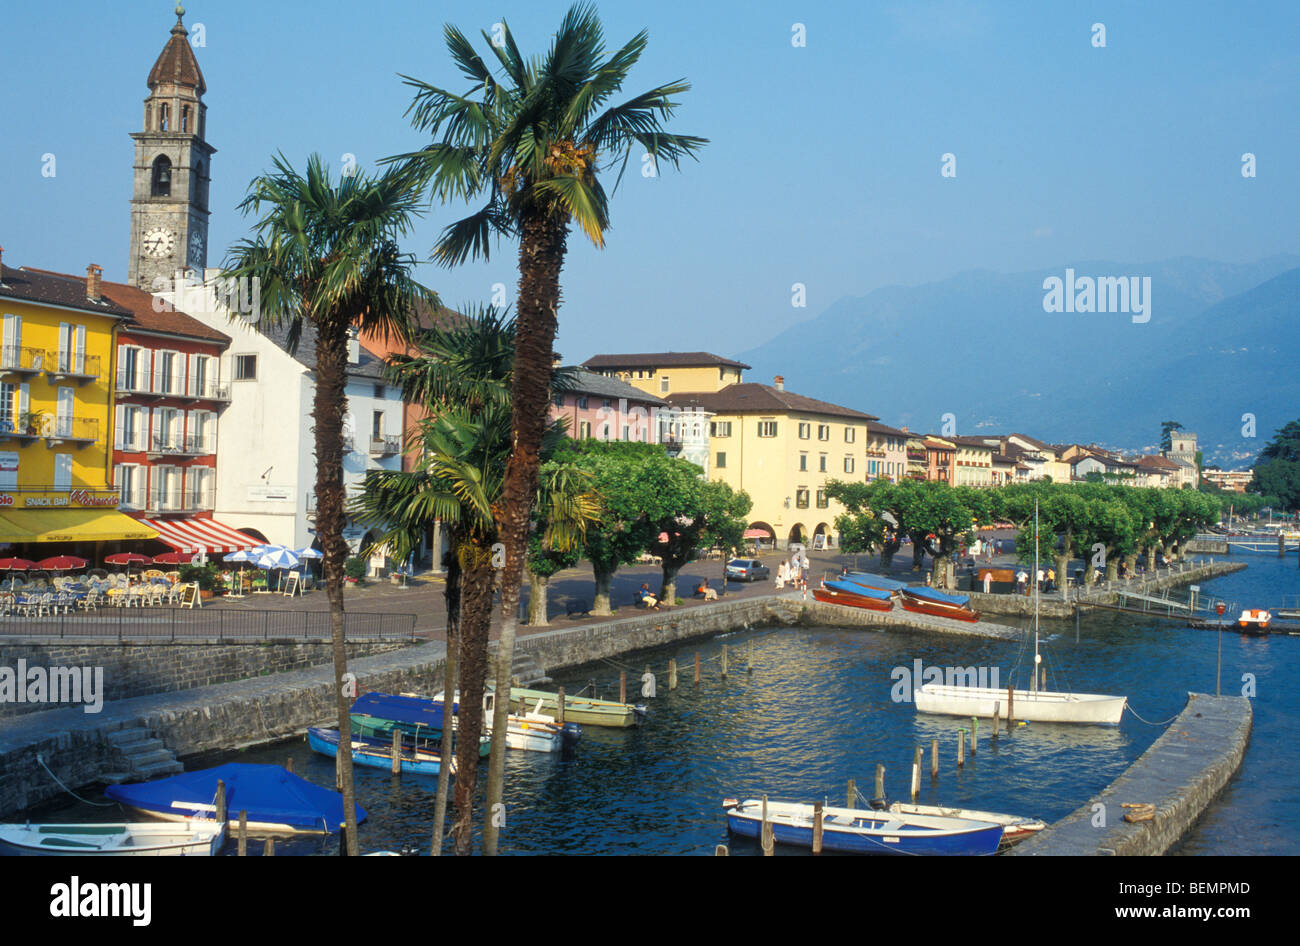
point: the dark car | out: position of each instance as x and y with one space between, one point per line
747 569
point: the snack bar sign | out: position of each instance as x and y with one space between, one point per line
76 499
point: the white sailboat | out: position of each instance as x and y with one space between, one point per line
1033 705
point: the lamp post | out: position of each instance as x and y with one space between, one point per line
1218 665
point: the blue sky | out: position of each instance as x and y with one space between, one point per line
824 166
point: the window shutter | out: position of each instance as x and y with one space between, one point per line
118 420
80 356
155 415
22 400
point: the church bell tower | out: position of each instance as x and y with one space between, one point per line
169 203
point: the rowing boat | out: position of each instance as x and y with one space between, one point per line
578 709
936 603
195 837
864 831
376 754
854 596
1014 827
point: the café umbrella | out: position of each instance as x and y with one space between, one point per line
16 565
128 558
62 563
174 558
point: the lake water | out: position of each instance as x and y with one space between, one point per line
817 711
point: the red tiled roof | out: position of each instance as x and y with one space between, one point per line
176 63
751 398
662 359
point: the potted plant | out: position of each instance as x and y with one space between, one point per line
31 422
204 575
354 570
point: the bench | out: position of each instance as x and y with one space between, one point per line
576 607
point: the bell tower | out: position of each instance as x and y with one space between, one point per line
169 202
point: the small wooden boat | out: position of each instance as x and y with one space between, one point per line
854 596
376 715
376 754
579 709
864 832
937 603
877 582
1014 828
195 837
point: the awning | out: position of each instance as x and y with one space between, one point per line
188 535
71 525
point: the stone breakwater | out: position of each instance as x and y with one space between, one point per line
1181 774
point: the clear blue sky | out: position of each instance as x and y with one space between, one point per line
824 166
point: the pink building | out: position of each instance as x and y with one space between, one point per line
604 408
886 452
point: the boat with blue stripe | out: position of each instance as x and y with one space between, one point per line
376 754
858 831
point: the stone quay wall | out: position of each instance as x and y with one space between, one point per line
1181 774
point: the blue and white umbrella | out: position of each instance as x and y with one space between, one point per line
278 558
308 552
243 555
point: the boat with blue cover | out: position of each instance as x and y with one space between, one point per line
928 601
277 801
377 714
879 582
860 831
853 595
378 754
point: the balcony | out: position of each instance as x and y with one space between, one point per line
385 446
16 360
178 446
72 366
180 500
79 430
206 391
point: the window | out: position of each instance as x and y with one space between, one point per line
627 432
160 183
850 434
164 118
663 385
72 347
377 425
801 498
185 118
582 403
131 427
805 431
584 429
848 464
821 463
245 367
166 372
129 485
767 428
803 463
559 400
379 391
63 471
201 376
7 393
721 428
721 462
605 403
822 502
823 431
605 432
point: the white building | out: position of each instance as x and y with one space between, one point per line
266 467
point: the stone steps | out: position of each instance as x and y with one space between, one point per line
140 756
526 671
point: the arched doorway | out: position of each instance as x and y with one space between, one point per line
256 534
797 533
822 536
762 535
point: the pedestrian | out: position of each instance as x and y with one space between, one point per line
1051 579
781 574
648 598
1039 579
1022 582
708 593
988 580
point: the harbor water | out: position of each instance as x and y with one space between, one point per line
819 709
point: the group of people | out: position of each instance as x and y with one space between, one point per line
793 572
1045 580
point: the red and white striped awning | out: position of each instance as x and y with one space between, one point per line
189 535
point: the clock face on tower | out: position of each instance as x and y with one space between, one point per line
196 247
159 242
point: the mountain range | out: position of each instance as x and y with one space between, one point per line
1217 350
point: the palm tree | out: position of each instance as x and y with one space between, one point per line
462 377
530 145
326 259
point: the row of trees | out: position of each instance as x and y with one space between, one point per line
528 141
1106 524
1277 470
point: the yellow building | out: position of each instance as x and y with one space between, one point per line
666 372
56 436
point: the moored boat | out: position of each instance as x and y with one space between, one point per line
1037 706
276 800
1255 619
195 837
376 715
1014 827
376 754
854 596
579 709
528 730
938 604
864 831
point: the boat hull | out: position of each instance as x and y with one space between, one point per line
938 608
577 709
1014 828
372 753
847 599
1038 707
866 832
199 838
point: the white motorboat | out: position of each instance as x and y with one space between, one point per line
1014 828
193 838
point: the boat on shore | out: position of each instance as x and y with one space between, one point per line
378 754
276 800
938 604
1014 828
853 596
861 831
586 710
195 837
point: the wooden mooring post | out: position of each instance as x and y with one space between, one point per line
851 795
961 748
749 658
880 781
934 759
697 668
916 772
1011 707
721 851
221 800
559 710
974 733
268 849
397 752
996 707
817 828
672 673
622 686
766 840
242 848
724 661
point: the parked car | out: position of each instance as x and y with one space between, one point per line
747 569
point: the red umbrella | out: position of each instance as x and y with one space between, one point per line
62 563
16 564
129 558
173 558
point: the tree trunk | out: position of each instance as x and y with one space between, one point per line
327 412
1151 559
541 256
537 592
451 594
1112 568
475 625
668 589
600 600
1063 572
887 553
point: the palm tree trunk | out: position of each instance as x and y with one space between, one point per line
475 625
331 381
451 594
541 257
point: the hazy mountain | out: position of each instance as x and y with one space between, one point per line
1221 341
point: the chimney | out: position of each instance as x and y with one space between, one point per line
556 358
779 382
93 273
